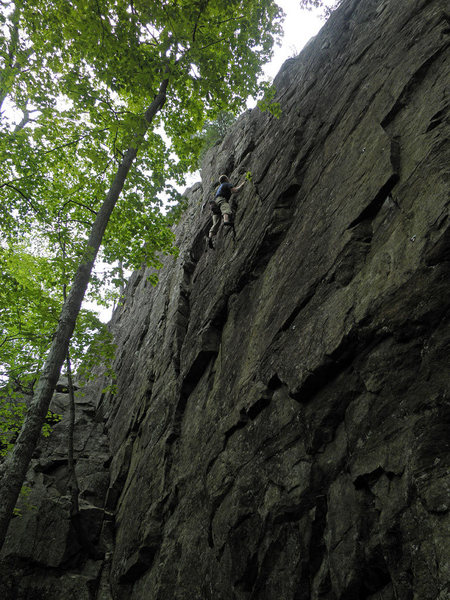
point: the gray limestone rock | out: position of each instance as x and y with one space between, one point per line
280 427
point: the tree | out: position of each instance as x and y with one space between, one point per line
213 132
30 304
124 69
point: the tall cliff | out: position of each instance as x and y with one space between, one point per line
280 427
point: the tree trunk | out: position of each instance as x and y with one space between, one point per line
73 488
16 463
72 484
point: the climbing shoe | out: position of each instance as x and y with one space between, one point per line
210 243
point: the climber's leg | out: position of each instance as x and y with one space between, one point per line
215 226
225 209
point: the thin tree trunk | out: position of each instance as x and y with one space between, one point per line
16 463
72 484
73 481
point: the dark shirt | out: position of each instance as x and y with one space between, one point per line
224 190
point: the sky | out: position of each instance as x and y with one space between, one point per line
299 26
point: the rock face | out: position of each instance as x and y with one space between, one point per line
280 427
47 555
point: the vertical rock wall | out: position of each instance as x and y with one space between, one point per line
280 427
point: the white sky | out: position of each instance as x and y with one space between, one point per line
299 26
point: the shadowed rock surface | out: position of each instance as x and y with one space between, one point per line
281 423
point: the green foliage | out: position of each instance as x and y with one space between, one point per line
24 501
29 311
13 408
50 420
30 298
100 350
12 414
267 103
213 132
175 212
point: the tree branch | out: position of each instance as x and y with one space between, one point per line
24 196
26 119
72 142
70 201
230 19
200 12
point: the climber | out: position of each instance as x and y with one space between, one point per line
220 205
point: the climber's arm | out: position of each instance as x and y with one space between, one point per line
235 190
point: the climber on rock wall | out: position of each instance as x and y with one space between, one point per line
219 205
